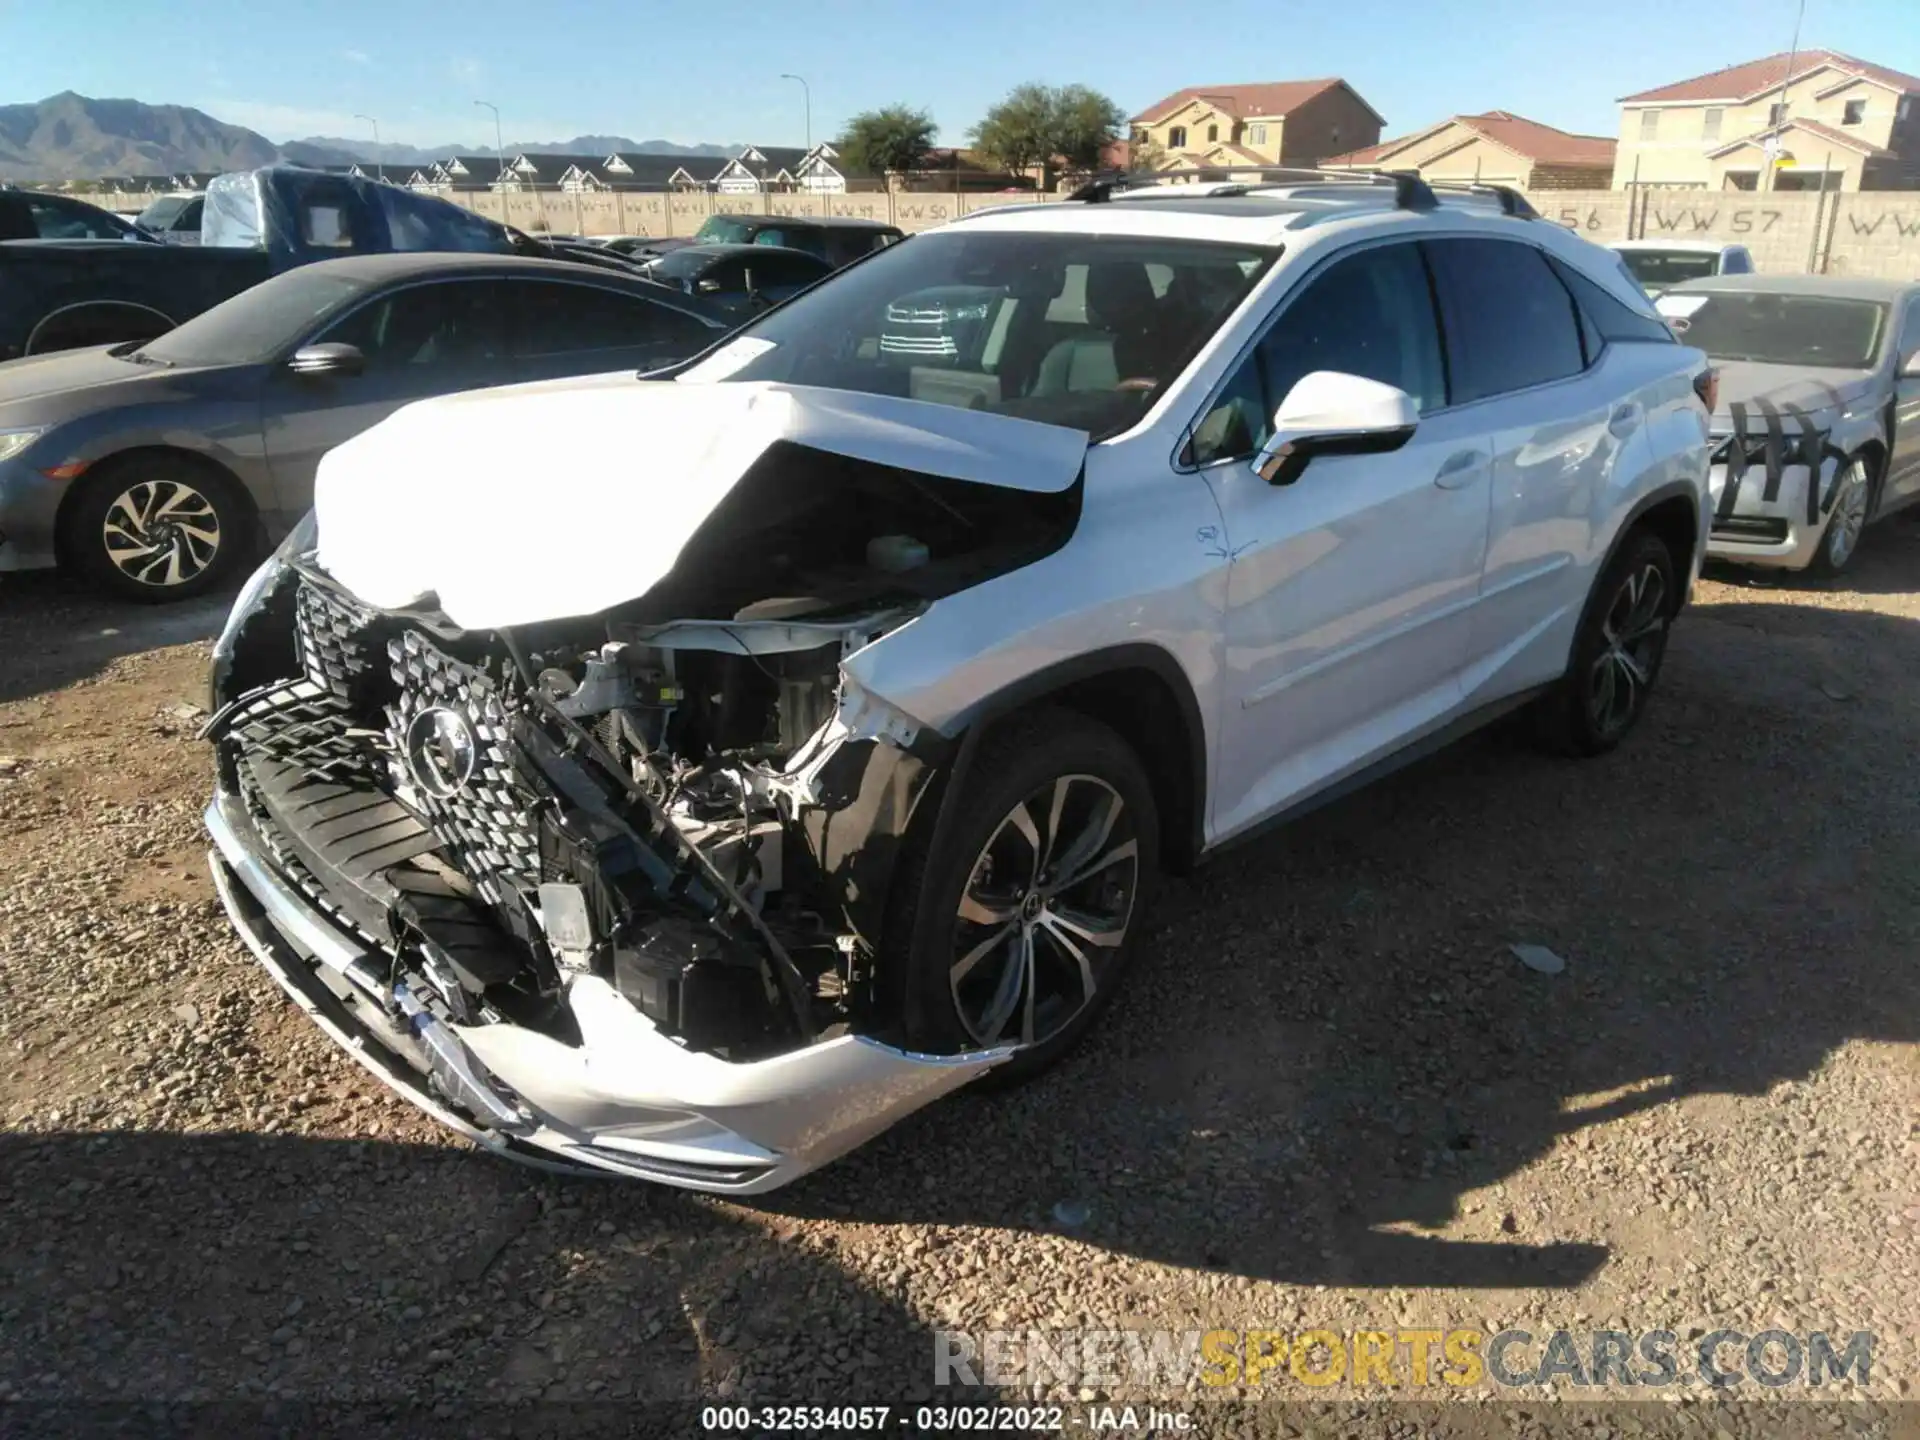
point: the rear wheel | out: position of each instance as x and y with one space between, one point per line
158 527
1021 933
1617 652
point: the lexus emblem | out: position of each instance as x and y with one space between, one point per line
441 751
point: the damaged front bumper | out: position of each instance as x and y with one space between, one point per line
1770 513
626 1100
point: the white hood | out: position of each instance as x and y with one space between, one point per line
564 498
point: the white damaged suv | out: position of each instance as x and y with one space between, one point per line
688 776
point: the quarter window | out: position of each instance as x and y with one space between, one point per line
1510 322
1368 314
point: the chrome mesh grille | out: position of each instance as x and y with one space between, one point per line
488 822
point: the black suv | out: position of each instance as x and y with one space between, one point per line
835 240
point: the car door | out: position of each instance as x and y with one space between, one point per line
1518 363
1350 591
57 218
428 338
563 327
1903 470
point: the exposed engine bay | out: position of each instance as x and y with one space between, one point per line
703 814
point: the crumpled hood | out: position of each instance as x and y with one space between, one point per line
1822 394
539 502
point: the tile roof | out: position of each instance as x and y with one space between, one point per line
1273 97
1811 127
1542 144
1755 77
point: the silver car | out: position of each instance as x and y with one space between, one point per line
152 468
1817 430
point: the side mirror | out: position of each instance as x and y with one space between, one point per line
1330 413
331 358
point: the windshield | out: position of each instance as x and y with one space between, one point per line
1778 329
1081 330
724 230
1656 269
256 324
679 265
163 212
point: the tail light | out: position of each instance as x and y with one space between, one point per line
1707 386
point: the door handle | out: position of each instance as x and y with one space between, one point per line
1459 469
1623 418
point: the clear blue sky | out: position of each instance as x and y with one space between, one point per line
558 68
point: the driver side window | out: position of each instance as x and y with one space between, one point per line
1369 314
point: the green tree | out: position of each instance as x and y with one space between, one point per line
894 139
1047 126
1017 133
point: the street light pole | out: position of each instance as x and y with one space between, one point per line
499 145
379 165
807 92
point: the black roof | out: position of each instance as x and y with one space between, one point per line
818 222
376 270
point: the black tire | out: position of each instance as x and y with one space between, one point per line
926 933
1602 696
1840 542
157 526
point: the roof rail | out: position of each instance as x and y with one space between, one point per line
1512 202
1410 192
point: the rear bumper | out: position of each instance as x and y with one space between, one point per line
628 1100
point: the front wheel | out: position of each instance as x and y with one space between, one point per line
157 528
1617 652
1852 499
1021 933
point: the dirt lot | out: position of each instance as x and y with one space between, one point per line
1331 1097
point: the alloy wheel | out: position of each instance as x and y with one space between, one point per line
1633 632
1045 909
161 533
1849 516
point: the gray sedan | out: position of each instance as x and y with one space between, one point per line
155 469
1817 429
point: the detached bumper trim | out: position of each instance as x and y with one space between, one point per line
629 1100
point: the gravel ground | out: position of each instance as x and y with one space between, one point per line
1331 1097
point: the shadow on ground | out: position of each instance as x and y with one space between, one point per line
405 1274
55 631
1328 1043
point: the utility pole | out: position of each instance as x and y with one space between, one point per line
499 145
379 164
1773 137
807 92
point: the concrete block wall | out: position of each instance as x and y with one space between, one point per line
1866 233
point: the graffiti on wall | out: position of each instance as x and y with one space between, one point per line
1745 221
1904 224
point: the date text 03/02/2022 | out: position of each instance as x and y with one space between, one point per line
942 1419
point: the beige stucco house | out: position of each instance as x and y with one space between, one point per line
1280 122
1496 147
1800 121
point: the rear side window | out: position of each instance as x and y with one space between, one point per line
560 319
1608 318
1510 323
